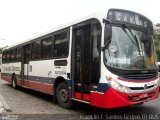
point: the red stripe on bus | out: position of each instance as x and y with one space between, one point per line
77 95
86 97
19 82
41 87
26 83
6 78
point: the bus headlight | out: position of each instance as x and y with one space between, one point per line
114 84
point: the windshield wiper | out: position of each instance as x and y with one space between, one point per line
106 45
133 36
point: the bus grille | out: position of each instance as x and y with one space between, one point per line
141 88
136 98
141 76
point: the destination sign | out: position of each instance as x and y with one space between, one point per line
129 17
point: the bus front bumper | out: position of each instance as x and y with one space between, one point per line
114 99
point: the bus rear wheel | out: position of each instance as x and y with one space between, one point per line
14 82
62 95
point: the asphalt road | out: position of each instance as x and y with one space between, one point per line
28 105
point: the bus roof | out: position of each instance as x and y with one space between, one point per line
98 15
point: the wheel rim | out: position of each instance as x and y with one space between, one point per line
63 95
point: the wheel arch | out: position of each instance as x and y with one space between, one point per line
14 81
57 81
13 74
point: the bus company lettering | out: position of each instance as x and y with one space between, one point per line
120 60
13 68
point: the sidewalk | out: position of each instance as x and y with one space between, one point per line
1 108
3 104
5 111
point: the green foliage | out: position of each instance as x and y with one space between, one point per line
158 24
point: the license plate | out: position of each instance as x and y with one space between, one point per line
143 96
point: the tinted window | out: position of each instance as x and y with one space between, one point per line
13 55
18 54
8 56
36 50
46 48
96 46
4 57
27 52
61 44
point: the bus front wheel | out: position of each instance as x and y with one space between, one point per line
62 95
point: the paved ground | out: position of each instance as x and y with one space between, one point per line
30 104
1 107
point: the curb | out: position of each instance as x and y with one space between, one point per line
5 104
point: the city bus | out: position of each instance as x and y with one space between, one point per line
107 60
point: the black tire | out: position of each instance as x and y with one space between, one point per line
14 82
62 95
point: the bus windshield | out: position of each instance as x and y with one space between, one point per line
129 49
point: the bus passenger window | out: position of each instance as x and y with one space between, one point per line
4 57
18 54
46 48
61 44
36 50
8 56
13 55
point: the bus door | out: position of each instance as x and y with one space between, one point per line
81 63
25 64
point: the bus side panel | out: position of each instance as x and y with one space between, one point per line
9 69
6 77
19 81
40 76
41 87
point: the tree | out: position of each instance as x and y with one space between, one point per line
158 24
0 50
